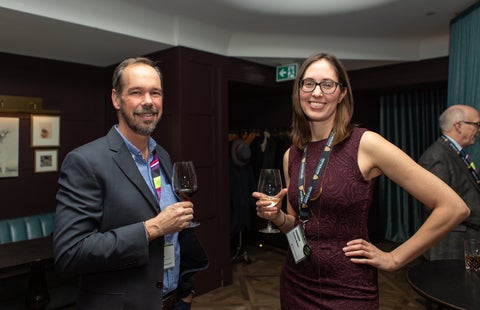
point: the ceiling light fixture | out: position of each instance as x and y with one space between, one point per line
306 7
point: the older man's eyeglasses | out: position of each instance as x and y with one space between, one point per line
327 87
476 124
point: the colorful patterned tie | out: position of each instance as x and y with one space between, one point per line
157 180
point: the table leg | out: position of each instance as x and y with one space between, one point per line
37 295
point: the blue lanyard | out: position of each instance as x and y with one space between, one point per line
304 196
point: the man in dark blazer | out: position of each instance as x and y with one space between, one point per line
447 159
125 234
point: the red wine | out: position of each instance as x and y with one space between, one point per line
186 193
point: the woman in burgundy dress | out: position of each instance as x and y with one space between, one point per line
329 172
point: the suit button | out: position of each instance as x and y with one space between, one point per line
160 284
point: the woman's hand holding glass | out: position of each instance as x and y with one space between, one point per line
269 207
269 195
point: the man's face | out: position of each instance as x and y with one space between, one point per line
140 104
469 127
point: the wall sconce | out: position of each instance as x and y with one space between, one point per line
19 104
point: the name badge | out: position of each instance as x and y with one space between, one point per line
169 259
298 245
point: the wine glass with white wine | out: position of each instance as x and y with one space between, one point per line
184 181
270 183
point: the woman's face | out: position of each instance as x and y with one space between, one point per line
317 106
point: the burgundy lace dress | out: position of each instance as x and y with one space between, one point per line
327 279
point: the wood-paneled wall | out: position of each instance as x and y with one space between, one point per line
77 91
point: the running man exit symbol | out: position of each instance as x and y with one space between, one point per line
286 72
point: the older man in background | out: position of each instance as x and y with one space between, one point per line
447 159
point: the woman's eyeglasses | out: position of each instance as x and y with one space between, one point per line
327 87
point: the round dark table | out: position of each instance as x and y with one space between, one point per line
447 283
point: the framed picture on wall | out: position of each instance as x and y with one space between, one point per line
45 130
46 160
9 146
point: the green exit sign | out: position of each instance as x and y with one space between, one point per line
286 72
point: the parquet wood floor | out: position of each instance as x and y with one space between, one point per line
256 285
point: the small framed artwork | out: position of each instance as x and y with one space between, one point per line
45 130
46 160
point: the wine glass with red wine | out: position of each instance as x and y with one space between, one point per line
184 181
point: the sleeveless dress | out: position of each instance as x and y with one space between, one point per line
327 279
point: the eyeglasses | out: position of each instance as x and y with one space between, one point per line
476 124
327 87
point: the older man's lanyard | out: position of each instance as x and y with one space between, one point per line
304 196
470 165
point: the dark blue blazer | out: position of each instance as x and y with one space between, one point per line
102 203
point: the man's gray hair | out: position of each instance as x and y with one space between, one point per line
450 117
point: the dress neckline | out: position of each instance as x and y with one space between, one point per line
318 141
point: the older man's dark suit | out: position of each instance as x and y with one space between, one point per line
443 161
99 233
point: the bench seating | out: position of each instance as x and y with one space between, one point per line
26 228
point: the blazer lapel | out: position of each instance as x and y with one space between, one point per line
461 167
122 157
166 164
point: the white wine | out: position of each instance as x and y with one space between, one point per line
270 184
274 200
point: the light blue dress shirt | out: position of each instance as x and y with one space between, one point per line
167 197
459 148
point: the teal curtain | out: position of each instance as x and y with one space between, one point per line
410 121
464 63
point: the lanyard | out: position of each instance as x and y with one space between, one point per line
304 196
155 167
470 165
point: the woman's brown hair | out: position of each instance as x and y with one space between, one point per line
301 134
